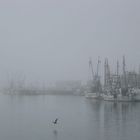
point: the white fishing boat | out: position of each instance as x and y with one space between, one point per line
90 95
94 85
93 96
132 95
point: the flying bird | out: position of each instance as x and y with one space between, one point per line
55 121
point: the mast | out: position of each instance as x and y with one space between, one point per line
124 72
98 82
117 68
107 83
139 77
91 67
98 64
105 73
118 80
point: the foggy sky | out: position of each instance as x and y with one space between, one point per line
48 40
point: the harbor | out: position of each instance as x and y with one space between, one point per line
69 70
121 86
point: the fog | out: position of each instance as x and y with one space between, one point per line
51 40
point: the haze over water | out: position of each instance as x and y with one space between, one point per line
51 40
31 117
44 41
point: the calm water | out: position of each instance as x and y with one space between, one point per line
30 118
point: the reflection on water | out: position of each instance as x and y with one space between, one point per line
116 120
30 117
123 116
55 132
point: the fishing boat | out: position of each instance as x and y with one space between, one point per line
120 88
130 97
94 85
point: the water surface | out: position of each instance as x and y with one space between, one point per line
30 118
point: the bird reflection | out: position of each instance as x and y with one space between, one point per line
55 133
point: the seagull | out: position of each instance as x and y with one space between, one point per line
55 121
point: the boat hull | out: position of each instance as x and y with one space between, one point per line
121 98
93 96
